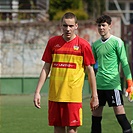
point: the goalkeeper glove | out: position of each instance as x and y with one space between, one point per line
129 90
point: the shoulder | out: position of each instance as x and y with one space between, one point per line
82 39
96 42
54 38
83 42
117 40
53 41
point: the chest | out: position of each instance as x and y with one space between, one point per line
106 49
73 48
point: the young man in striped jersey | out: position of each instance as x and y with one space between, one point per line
66 57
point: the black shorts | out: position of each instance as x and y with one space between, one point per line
112 97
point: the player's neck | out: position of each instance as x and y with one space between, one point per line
69 38
105 37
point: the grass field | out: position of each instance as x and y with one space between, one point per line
18 115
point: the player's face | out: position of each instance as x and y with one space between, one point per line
104 29
68 27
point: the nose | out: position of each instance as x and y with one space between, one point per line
68 27
100 26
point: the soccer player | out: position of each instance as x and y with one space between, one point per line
109 52
66 58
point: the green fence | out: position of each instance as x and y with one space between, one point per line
27 85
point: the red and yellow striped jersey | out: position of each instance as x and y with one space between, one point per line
68 60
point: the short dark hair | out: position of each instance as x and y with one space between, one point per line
104 18
69 15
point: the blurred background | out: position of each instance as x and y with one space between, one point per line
26 26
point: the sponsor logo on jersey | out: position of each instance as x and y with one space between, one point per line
64 65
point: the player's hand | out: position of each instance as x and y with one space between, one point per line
94 103
37 99
129 90
129 93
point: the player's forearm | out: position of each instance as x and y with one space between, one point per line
42 78
92 81
41 81
127 72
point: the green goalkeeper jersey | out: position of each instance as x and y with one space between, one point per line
110 54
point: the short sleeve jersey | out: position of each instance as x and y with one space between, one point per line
109 55
68 60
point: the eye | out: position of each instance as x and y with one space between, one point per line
103 25
99 25
64 25
71 26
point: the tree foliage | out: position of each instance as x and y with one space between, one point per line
59 7
95 7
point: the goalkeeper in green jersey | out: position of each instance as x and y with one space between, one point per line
109 52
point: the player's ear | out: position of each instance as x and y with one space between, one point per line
110 26
76 26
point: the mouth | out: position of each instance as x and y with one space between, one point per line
102 32
68 34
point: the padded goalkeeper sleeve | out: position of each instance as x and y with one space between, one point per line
127 72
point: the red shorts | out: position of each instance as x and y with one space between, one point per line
65 114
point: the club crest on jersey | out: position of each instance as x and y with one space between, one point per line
76 47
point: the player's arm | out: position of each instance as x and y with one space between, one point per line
126 69
43 76
92 81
